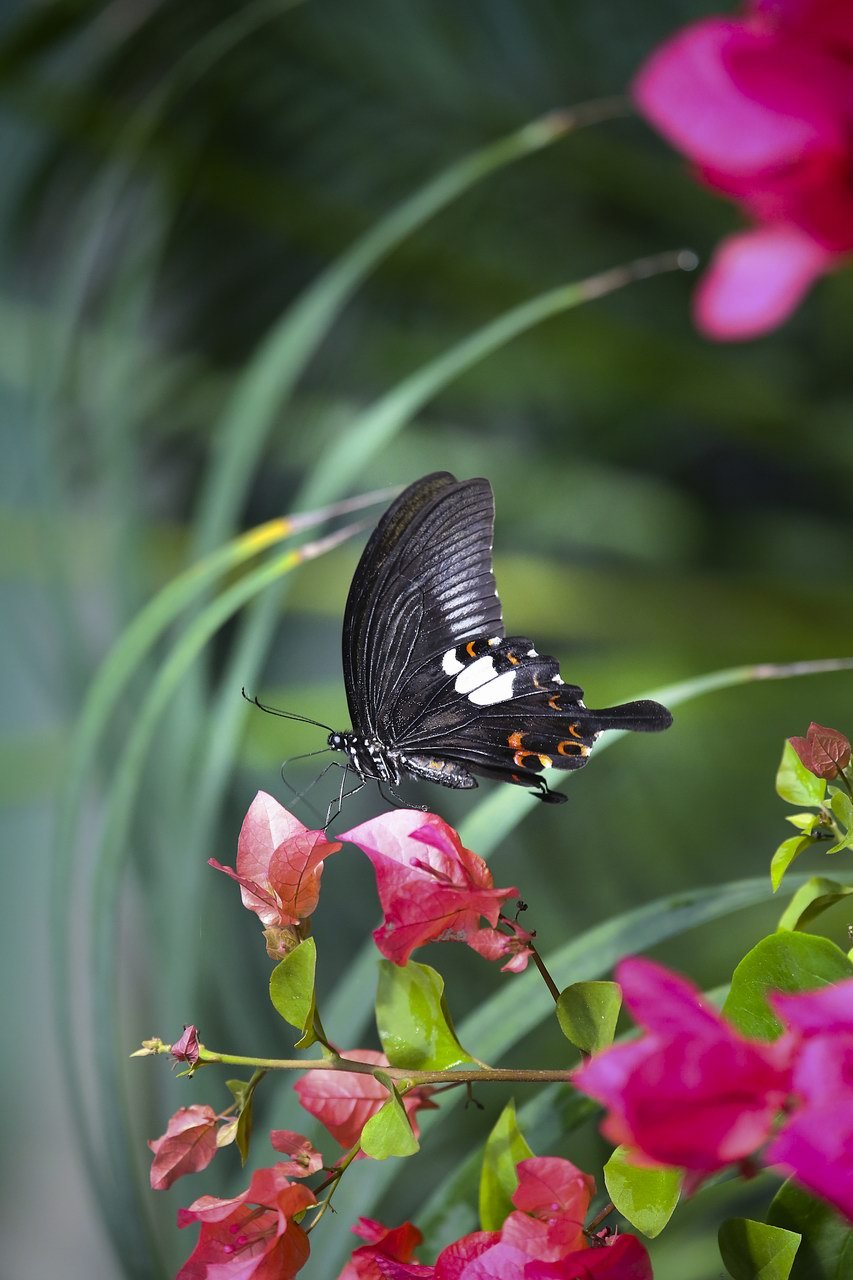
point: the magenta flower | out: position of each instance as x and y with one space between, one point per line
816 1144
433 889
763 107
692 1091
397 1243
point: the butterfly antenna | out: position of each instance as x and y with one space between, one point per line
285 715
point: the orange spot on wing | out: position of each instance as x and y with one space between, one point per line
513 659
575 731
469 648
545 761
552 702
514 740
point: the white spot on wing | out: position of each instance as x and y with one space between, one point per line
497 690
531 653
451 664
475 675
494 640
557 680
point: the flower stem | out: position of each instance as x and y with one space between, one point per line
401 1075
546 977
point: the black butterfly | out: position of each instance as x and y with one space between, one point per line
435 689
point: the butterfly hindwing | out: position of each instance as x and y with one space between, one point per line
504 711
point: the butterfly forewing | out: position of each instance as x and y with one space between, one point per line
423 585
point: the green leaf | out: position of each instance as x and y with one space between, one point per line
826 1251
646 1197
805 822
243 1092
782 962
588 1012
786 853
505 1146
842 811
292 990
794 783
413 1020
389 1132
756 1251
810 901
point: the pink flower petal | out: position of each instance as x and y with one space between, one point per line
756 279
188 1145
432 889
279 863
304 1158
396 1244
551 1199
826 22
816 1147
714 113
825 1011
664 1002
621 1258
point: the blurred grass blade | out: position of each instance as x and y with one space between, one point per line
500 813
242 433
113 1178
373 429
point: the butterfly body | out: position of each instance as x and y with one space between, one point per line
435 688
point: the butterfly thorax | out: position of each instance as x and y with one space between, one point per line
367 756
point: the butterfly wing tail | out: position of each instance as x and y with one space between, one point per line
643 716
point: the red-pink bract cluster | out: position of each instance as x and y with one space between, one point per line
543 1239
695 1093
762 104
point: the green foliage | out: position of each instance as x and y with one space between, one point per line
787 962
243 1092
413 1020
794 783
588 1012
292 990
647 1197
787 852
826 1248
389 1131
811 900
756 1251
505 1147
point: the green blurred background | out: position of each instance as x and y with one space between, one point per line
176 176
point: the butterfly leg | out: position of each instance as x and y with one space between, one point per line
399 801
544 793
300 795
336 806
